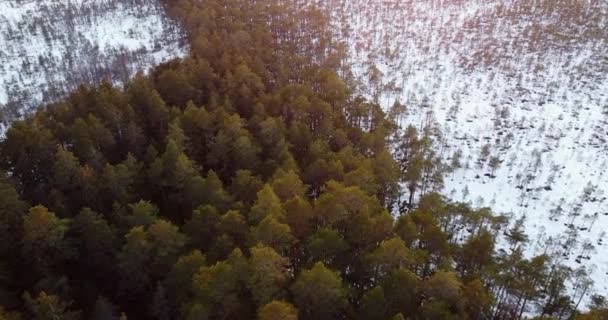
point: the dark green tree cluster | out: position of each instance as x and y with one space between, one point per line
245 182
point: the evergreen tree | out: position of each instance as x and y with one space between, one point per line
268 275
44 307
278 310
318 293
45 245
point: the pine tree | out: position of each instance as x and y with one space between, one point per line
318 293
268 275
278 310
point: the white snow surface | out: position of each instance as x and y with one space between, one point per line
529 78
49 47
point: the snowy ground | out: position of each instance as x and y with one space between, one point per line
49 47
529 78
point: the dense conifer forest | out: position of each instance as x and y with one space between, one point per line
248 181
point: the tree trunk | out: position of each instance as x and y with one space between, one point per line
410 203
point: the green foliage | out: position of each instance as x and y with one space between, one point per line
266 204
373 304
148 254
245 186
179 279
217 289
274 234
390 255
268 275
401 289
202 227
11 212
327 245
278 310
103 310
444 290
143 213
298 215
95 241
6 315
319 293
287 185
45 307
44 242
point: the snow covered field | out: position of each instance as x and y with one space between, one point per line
529 79
49 47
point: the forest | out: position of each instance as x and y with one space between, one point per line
250 181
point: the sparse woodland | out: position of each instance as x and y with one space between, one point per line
51 47
250 181
513 94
